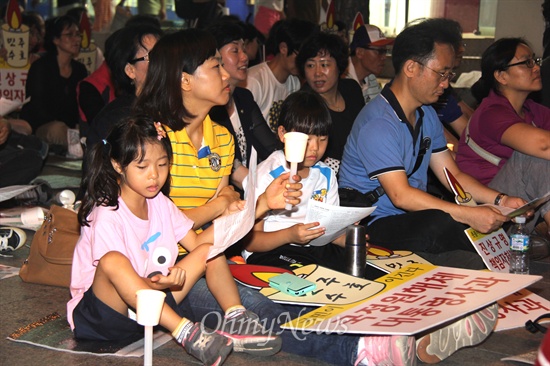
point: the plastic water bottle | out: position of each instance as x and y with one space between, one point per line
519 247
356 251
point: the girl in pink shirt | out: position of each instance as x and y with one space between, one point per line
128 242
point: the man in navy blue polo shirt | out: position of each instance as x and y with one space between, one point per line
397 137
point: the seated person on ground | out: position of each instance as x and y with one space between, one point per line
281 238
396 138
507 142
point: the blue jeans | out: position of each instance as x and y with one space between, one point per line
200 305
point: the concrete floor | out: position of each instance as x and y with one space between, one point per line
23 303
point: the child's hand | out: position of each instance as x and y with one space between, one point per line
304 233
281 191
176 277
234 207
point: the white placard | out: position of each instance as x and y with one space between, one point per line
516 309
494 248
418 297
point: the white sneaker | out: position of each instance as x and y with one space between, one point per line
468 331
11 238
386 351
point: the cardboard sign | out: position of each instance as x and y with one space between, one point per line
515 310
494 248
333 288
417 298
388 260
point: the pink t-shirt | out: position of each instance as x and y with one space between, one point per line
487 125
150 245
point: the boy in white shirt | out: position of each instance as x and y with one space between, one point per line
281 238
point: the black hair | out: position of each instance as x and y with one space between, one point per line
124 144
126 43
251 32
76 13
34 21
54 28
143 19
495 58
305 111
323 44
291 31
161 95
226 31
417 41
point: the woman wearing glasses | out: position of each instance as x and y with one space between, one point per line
51 83
128 62
507 142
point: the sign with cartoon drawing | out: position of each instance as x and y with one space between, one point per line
388 260
333 287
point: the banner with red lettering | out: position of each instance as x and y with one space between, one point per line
416 298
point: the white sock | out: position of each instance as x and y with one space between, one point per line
234 310
182 330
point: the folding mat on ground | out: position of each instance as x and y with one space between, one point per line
53 332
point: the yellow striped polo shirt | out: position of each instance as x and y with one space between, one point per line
194 180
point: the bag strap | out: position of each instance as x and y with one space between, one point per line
533 325
491 158
378 192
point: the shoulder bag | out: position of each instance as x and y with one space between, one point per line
52 247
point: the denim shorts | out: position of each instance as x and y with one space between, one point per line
94 320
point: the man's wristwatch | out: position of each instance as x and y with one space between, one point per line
499 198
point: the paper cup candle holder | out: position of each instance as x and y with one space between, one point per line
295 150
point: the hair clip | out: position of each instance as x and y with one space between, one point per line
160 130
104 142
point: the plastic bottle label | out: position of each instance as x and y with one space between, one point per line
519 243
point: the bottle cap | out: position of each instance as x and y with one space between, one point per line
355 235
520 219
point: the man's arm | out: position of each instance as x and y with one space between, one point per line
482 218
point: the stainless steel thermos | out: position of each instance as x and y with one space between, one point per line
356 250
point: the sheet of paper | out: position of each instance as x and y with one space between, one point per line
532 205
11 191
7 105
334 218
231 228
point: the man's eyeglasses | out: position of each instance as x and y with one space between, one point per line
144 58
380 51
530 63
447 75
72 35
